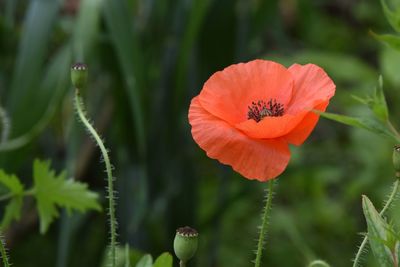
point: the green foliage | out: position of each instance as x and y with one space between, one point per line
369 124
393 16
392 40
380 238
379 123
51 192
145 261
164 260
16 190
318 263
139 51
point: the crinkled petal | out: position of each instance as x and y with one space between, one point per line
254 159
299 134
271 127
227 94
311 86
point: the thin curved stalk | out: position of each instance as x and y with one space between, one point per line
110 187
392 196
264 224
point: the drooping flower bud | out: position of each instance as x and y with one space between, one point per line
185 243
79 73
396 160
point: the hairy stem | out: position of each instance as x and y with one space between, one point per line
264 224
385 207
110 187
3 253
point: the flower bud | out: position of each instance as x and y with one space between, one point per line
79 73
396 160
185 243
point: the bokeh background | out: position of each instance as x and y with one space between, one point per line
147 59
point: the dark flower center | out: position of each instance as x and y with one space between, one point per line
260 109
187 231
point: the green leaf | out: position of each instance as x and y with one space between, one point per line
393 17
12 211
52 191
33 46
129 54
164 260
379 105
145 261
364 123
13 208
376 102
390 39
86 28
12 183
377 232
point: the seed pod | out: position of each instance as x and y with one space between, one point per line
79 73
185 243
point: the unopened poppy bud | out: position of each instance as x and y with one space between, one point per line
185 243
396 160
79 73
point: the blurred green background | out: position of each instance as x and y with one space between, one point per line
147 59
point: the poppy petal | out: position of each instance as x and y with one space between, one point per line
271 127
227 94
254 159
311 86
299 134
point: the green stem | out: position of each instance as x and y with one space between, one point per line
182 264
264 225
110 187
3 253
393 129
9 195
385 207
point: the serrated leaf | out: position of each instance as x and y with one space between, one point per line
145 261
12 211
16 190
12 183
390 39
164 260
51 191
377 232
364 123
392 17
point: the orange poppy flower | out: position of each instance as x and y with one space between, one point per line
247 114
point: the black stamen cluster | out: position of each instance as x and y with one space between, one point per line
260 109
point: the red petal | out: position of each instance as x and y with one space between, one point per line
254 159
228 93
299 134
271 127
311 87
